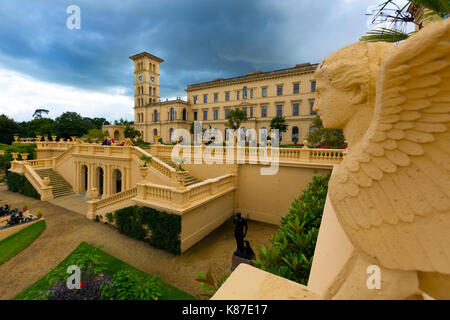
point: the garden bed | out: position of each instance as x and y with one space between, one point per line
108 264
15 243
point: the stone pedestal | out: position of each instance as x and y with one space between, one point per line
235 261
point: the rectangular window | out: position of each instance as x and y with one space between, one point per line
195 115
216 114
296 88
279 90
264 92
245 110
205 115
311 106
295 109
227 113
154 91
244 93
251 112
313 86
251 93
264 111
216 97
195 99
279 110
238 95
205 98
227 96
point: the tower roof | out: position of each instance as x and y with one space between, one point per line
146 54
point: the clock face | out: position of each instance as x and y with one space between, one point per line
152 78
140 77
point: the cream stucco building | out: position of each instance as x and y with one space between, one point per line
263 95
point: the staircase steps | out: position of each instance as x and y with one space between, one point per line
189 178
60 186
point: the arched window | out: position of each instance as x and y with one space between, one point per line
155 132
184 114
139 91
171 134
117 181
155 115
172 114
295 134
263 133
243 133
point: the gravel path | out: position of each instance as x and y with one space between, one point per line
66 230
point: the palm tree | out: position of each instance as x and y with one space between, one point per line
398 17
235 118
279 122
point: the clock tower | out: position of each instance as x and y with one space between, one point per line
146 79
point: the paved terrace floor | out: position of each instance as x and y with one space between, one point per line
67 229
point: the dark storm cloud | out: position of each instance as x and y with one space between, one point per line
198 39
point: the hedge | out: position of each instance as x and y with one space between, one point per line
165 228
291 252
18 183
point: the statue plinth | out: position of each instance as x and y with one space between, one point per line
236 260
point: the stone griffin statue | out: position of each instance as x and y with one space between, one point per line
391 193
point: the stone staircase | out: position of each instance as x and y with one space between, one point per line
60 186
189 178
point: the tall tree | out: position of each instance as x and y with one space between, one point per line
8 128
235 118
279 123
38 113
320 136
397 18
71 124
130 132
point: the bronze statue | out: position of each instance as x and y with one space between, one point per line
243 246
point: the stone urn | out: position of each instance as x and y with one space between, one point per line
54 138
144 173
15 155
16 138
305 144
61 140
46 181
73 138
38 138
24 156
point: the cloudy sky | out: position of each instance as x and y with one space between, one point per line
43 64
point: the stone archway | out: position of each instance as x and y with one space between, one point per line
116 135
100 180
84 178
117 181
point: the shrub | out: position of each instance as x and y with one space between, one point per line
110 217
165 228
291 251
210 282
127 285
18 183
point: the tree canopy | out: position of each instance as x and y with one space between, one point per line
235 118
320 136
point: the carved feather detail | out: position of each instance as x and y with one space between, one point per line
397 178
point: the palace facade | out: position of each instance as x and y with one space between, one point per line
262 95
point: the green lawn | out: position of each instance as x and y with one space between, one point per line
15 243
112 265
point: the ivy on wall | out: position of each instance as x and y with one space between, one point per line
161 229
18 183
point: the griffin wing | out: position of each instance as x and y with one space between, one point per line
392 192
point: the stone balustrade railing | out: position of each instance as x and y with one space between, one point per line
183 197
159 165
98 206
249 154
41 163
42 187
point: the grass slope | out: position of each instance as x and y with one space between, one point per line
15 243
112 265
